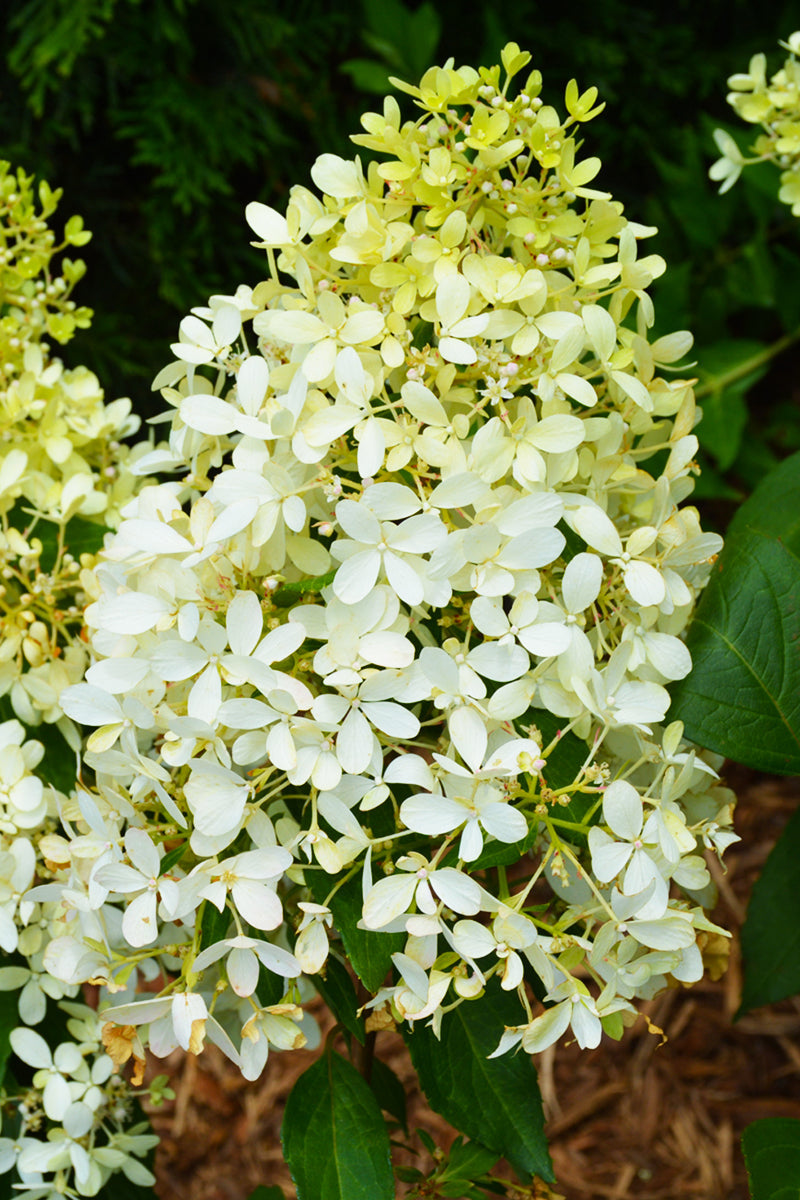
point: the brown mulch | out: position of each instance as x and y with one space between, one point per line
640 1119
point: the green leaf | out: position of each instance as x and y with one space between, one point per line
788 295
370 952
213 924
467 1160
497 854
389 1091
563 765
567 757
120 1188
334 1137
742 696
772 1156
728 375
368 76
81 535
84 537
271 987
336 989
9 1019
59 765
771 932
495 1101
422 335
173 856
267 1193
287 595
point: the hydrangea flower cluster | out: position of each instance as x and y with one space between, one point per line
402 614
774 104
63 474
61 453
83 1107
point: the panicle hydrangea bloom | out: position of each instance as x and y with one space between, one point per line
61 454
75 1126
774 104
63 475
398 620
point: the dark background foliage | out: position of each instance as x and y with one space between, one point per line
162 118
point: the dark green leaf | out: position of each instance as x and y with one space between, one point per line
497 854
427 1141
334 1137
287 595
563 765
173 856
370 953
467 1160
267 1193
80 537
495 1101
742 697
771 932
567 757
58 766
711 485
788 294
408 1174
84 537
726 377
214 924
368 76
389 1091
459 1189
120 1188
336 989
271 987
9 1019
772 1156
423 335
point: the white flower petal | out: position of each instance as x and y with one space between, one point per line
139 924
31 1048
608 857
458 891
267 224
388 898
582 581
257 903
623 809
354 743
432 814
90 705
469 736
244 622
597 529
645 584
392 718
242 968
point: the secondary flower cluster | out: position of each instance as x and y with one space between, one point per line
402 613
83 1107
63 474
61 453
774 104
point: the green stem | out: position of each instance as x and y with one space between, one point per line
760 359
